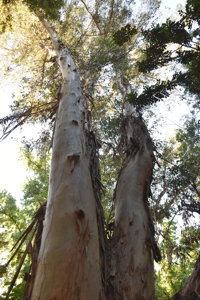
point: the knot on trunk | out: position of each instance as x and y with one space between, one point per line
80 213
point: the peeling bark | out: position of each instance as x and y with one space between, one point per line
132 247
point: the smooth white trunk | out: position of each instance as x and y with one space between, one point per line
69 261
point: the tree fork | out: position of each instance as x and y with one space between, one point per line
71 262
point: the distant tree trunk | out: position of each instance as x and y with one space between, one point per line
69 263
191 289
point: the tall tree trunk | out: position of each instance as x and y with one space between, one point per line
131 272
69 263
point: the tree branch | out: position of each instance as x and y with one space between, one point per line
110 16
3 212
194 207
65 61
195 188
93 16
43 66
57 44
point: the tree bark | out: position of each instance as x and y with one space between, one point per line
69 263
131 270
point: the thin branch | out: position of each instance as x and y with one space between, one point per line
111 10
20 266
170 223
110 16
194 207
190 47
43 66
22 238
25 233
8 49
93 17
3 212
18 119
13 128
195 188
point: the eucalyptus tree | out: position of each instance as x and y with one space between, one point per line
175 207
177 42
12 224
16 217
93 70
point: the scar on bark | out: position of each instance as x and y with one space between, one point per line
81 222
74 157
80 213
74 122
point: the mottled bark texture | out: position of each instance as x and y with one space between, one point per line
191 289
132 247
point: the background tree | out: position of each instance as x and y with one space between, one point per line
12 225
177 208
16 217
